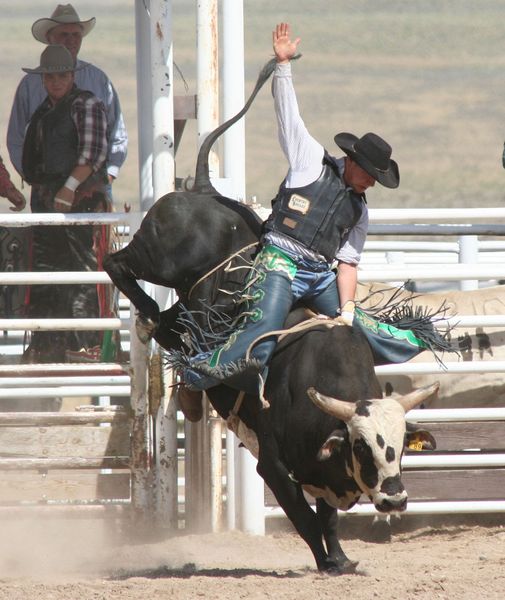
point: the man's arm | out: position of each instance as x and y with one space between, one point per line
347 280
91 123
302 151
9 190
93 79
18 121
118 137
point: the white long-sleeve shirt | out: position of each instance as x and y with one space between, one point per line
305 155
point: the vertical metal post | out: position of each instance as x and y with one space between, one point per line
166 457
204 450
207 103
197 469
144 99
233 95
468 254
142 499
231 521
141 487
162 97
216 471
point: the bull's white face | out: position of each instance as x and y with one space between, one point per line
376 437
376 434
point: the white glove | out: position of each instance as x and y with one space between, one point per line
347 314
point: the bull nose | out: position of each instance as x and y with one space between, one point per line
388 505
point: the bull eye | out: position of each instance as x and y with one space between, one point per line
367 469
380 441
390 454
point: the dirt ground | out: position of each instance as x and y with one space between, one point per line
43 562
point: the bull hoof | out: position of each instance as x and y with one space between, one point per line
190 403
145 328
346 567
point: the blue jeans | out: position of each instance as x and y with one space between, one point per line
278 280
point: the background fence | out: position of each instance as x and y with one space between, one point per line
465 474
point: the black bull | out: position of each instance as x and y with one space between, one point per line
185 235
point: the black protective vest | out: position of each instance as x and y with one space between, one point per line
50 150
319 214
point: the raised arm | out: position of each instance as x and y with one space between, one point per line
302 151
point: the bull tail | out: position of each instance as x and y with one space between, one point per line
202 179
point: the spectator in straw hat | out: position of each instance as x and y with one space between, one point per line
9 190
63 159
65 27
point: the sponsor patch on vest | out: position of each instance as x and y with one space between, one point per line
291 223
299 204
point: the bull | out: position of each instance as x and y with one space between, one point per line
328 432
327 429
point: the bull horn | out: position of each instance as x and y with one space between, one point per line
410 401
336 408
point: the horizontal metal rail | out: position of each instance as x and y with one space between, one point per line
54 277
9 382
95 324
446 415
437 230
435 215
28 219
66 391
447 272
464 460
41 370
389 272
491 366
417 508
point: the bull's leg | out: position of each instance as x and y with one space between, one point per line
328 518
117 267
290 497
165 334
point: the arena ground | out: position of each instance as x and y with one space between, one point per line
451 561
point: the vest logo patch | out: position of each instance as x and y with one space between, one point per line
291 223
299 204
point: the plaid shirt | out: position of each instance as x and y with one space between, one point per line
88 114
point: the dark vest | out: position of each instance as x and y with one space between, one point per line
319 214
50 149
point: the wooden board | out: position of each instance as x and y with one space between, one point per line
455 484
31 486
485 435
60 441
444 484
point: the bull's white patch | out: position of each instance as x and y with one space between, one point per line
299 204
341 502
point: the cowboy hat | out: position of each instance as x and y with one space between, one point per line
64 14
54 59
373 154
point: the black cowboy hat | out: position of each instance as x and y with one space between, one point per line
372 154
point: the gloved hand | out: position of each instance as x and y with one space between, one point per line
347 313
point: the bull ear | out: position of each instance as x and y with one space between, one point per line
336 408
333 442
420 439
411 400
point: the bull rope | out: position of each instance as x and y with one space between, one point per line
218 266
308 324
